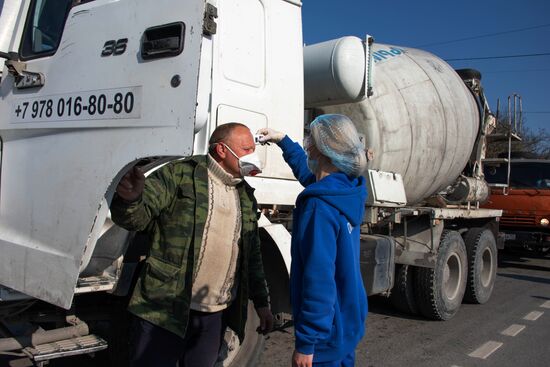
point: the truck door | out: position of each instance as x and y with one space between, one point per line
90 88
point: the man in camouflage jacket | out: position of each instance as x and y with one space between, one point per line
173 206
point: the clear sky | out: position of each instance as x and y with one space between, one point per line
524 27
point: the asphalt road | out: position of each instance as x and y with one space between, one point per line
512 329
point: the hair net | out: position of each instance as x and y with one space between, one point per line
336 138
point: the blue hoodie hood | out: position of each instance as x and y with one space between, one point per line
344 193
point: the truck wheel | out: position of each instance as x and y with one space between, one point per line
402 293
544 251
440 290
539 251
234 354
466 74
482 265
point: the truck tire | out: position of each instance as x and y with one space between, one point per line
234 354
541 251
482 265
402 293
466 74
440 290
544 251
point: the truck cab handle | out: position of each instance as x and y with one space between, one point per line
163 41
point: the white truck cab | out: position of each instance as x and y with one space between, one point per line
91 87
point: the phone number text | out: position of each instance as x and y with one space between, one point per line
105 104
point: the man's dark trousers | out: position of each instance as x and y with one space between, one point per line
153 346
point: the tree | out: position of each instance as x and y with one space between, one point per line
533 144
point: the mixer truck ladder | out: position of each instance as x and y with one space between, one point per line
510 132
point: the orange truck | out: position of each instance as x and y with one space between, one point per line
522 190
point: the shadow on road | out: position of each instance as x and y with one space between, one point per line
528 278
541 297
523 260
520 255
381 305
505 265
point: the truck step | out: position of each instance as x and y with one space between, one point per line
95 284
514 136
64 348
501 185
495 160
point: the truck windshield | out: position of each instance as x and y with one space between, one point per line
523 175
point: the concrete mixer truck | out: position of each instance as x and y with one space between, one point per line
90 89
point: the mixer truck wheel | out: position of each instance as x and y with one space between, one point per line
440 290
482 265
402 293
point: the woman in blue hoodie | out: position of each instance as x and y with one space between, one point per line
329 302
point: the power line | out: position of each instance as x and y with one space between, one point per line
514 71
536 112
499 57
485 35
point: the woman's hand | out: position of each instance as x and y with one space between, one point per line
302 360
270 135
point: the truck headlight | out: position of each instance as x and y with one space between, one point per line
544 222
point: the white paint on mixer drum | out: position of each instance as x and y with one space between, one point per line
422 121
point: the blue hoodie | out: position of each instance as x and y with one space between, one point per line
329 302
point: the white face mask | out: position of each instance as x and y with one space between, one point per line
249 165
312 164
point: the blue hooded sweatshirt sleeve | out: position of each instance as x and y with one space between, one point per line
296 158
329 301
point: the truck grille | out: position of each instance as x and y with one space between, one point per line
518 220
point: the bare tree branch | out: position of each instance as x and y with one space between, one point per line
534 144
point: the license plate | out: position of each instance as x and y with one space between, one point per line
510 236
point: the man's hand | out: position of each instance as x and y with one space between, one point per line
271 135
266 320
301 360
131 185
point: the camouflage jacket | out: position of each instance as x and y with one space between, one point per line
173 210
